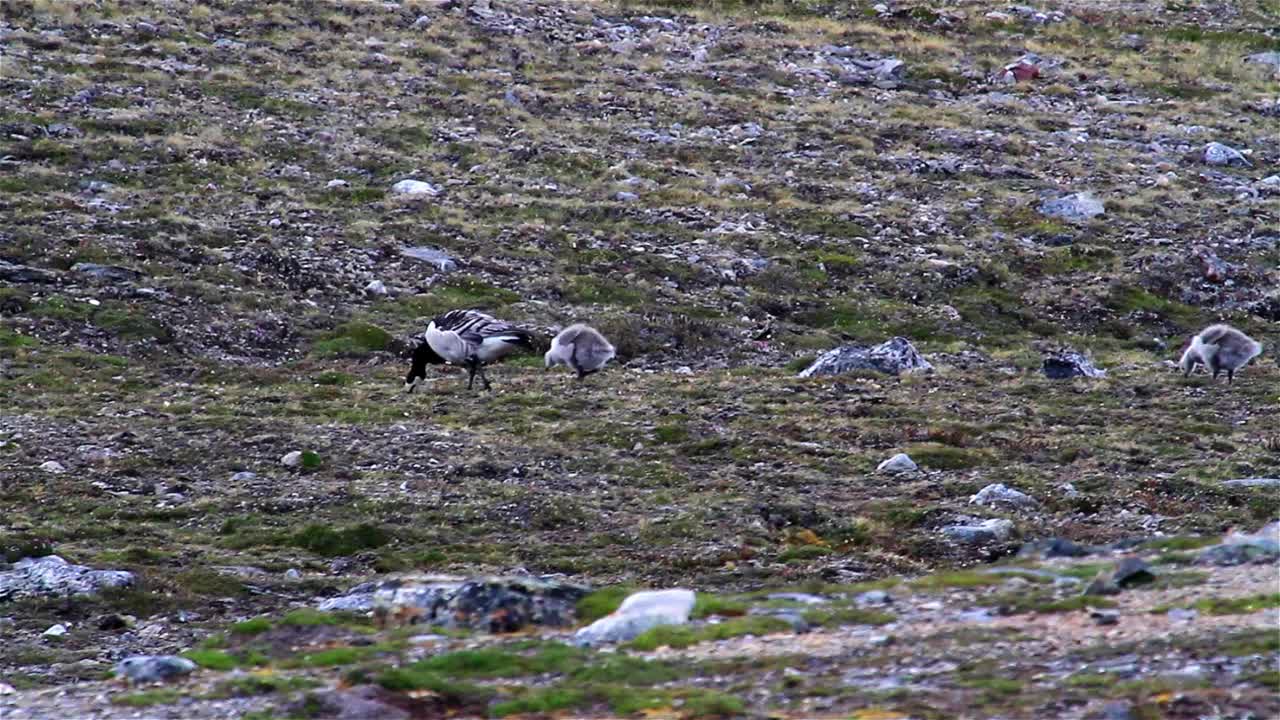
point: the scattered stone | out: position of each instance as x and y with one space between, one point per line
423 22
6 689
998 494
142 669
376 288
1117 710
1182 615
1215 153
1073 208
52 466
55 631
292 459
440 259
639 612
25 274
873 597
1104 617
1128 572
1253 482
987 531
244 476
415 188
293 574
893 357
1024 69
489 604
227 44
115 622
362 702
1065 364
624 196
900 463
1215 270
1242 548
803 598
106 273
337 183
51 576
1054 548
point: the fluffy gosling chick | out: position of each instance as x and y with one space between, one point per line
580 347
1220 348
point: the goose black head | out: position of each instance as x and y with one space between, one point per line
423 356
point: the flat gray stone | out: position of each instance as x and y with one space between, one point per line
1073 208
900 463
439 258
1253 482
1000 495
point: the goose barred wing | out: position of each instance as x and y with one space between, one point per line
473 326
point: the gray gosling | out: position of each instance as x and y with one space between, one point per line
1220 348
580 347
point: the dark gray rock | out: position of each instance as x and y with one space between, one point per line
873 597
1073 208
1068 364
51 576
141 669
489 604
1104 617
1128 572
1055 547
25 274
439 258
892 358
106 273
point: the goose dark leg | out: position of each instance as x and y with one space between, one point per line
483 378
1231 376
471 374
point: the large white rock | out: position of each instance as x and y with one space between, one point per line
900 463
1000 494
415 187
638 613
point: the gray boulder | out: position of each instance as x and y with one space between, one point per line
900 463
981 533
1073 208
892 358
638 613
488 604
51 576
1269 59
1068 364
415 188
141 669
1215 153
1000 495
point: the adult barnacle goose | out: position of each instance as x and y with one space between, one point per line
580 347
465 337
1220 348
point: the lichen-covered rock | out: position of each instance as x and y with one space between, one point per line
51 576
893 357
1000 495
442 260
489 604
638 613
1068 364
981 533
1073 208
141 669
1215 153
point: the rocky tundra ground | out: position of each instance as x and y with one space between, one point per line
223 224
